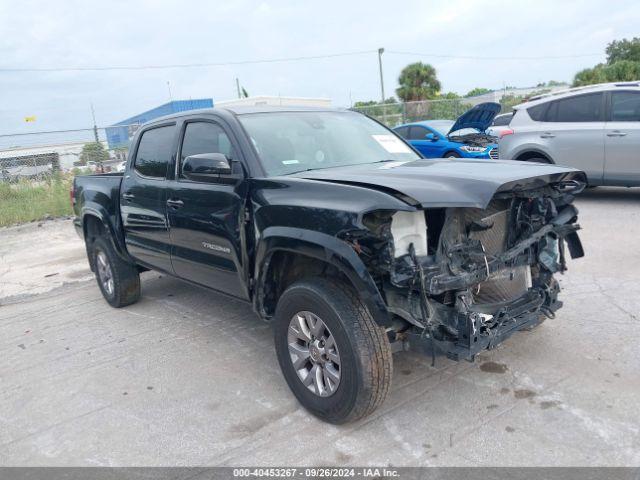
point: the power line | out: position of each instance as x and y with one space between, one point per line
285 59
477 57
180 65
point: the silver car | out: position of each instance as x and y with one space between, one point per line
594 128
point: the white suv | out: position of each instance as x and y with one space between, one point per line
595 129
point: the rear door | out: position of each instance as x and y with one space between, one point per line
622 139
143 198
573 133
207 219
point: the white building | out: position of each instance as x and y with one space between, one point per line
68 153
275 102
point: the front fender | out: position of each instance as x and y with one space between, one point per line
323 247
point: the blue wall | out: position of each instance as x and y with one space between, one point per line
119 134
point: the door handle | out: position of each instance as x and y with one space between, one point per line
171 203
547 135
128 196
616 133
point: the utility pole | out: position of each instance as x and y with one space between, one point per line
380 52
95 127
169 88
238 87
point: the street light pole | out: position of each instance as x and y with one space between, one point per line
380 52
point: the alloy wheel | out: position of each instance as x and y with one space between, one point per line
314 353
104 272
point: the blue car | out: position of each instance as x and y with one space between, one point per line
463 138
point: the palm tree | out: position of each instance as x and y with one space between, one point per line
417 81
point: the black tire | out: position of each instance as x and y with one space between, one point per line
366 362
125 288
452 155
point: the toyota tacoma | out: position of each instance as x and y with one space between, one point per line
337 232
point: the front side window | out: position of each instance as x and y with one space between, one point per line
289 142
581 108
154 152
417 133
204 137
402 131
625 107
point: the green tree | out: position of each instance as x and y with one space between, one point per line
620 71
624 49
418 81
93 152
507 102
477 91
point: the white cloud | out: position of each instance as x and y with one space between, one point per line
73 32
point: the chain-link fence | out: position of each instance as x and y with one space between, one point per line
393 114
36 156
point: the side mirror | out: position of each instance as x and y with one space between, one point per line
206 167
432 137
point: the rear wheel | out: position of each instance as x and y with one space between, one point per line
119 281
335 358
452 155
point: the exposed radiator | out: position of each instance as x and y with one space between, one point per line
509 283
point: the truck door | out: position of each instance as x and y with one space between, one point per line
143 198
622 140
206 218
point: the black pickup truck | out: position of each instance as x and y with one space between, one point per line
337 232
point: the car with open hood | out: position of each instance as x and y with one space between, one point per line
466 137
338 233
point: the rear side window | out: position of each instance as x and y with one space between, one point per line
417 133
154 152
204 137
625 107
537 113
402 131
581 108
502 120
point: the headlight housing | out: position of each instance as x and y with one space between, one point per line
472 149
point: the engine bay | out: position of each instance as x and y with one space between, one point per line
460 280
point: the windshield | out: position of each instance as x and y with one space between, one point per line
289 142
443 126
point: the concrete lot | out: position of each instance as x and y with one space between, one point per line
188 377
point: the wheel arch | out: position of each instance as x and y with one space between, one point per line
285 255
530 153
95 223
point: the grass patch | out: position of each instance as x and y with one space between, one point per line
26 201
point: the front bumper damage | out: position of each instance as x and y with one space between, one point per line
488 274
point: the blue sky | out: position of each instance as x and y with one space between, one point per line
76 33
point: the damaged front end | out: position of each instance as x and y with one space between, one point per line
461 280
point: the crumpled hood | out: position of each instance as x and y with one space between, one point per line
479 117
433 183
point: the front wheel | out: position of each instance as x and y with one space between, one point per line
336 360
118 280
452 155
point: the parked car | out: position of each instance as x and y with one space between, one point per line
121 166
339 234
594 128
462 138
500 124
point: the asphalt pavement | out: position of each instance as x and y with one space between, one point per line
189 377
